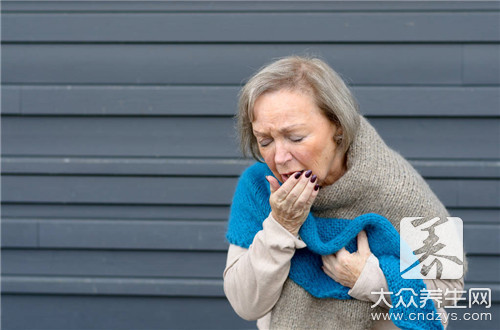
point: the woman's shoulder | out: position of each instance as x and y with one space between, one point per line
413 190
391 174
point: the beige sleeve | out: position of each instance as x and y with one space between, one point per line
372 279
254 277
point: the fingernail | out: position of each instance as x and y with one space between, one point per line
308 173
313 178
316 187
298 175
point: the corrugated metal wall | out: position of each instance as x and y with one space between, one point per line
119 157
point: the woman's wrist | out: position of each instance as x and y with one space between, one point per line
279 232
292 228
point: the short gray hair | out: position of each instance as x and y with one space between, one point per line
305 74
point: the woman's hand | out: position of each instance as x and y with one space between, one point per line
345 267
291 203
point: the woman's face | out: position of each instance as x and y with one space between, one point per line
294 135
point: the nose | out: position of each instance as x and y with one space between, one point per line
282 154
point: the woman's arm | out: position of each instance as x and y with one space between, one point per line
372 279
254 277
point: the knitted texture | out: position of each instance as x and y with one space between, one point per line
325 236
378 180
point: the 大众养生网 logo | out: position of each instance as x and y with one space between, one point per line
431 248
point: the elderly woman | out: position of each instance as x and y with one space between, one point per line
314 229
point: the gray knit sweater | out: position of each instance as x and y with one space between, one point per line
377 180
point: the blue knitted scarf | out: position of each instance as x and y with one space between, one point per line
325 236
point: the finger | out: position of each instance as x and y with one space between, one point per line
363 245
273 183
342 253
329 261
325 267
304 199
296 192
288 185
329 273
313 187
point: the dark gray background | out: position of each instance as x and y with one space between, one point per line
119 158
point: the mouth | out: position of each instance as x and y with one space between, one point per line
286 176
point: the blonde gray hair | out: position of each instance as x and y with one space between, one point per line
304 74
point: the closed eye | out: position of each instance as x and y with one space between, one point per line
296 138
265 142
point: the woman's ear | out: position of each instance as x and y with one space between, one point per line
338 135
339 130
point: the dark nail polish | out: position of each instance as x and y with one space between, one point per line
316 187
308 173
313 178
298 175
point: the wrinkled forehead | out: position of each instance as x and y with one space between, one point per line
301 90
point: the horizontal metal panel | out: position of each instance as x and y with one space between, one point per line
131 166
139 286
152 190
232 6
123 263
164 264
429 101
66 312
252 27
222 100
478 238
112 286
215 64
482 269
467 193
475 215
118 190
457 169
120 234
20 233
439 138
133 136
124 211
173 235
176 212
212 166
482 64
11 100
123 100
